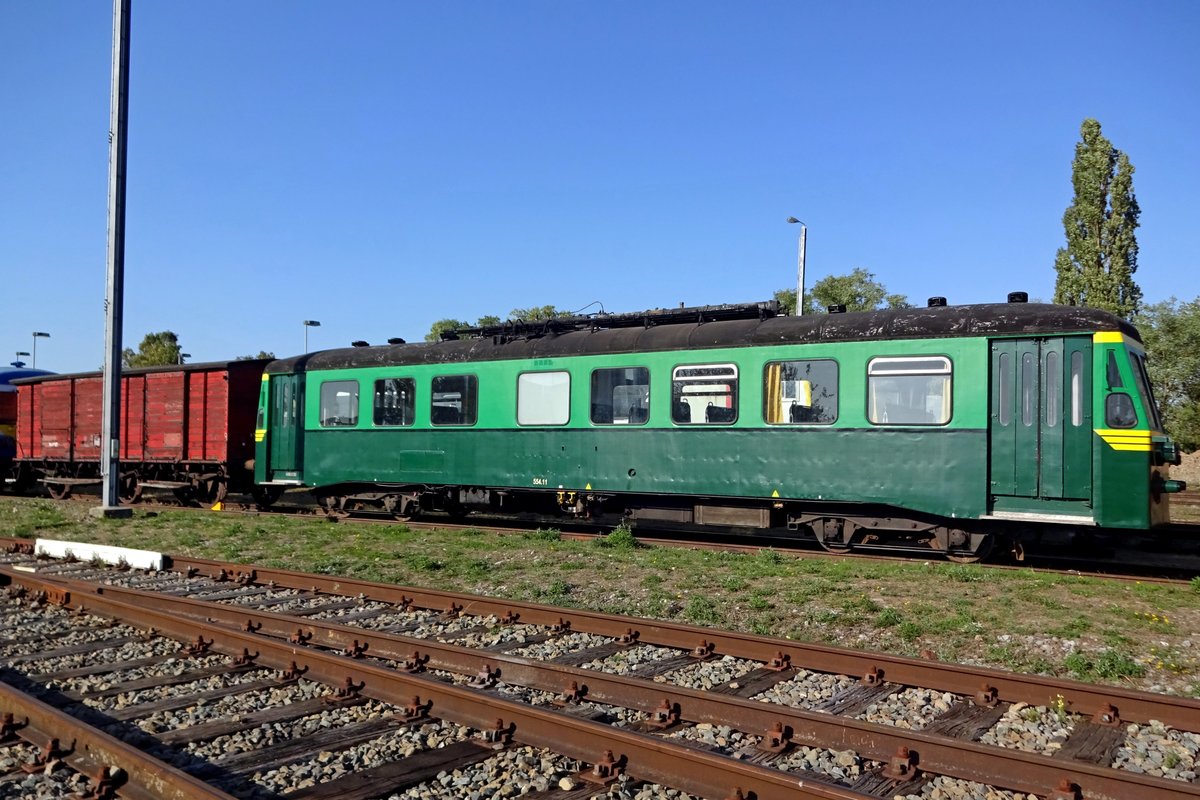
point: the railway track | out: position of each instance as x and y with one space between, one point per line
246 681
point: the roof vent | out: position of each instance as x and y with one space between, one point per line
934 302
396 340
838 309
1018 297
359 343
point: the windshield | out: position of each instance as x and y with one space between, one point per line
1143 384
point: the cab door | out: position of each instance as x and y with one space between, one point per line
287 427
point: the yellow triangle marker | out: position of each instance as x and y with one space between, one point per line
218 506
775 493
587 488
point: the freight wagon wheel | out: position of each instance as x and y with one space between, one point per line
829 533
210 490
59 491
128 490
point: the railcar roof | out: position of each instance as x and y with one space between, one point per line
10 374
892 324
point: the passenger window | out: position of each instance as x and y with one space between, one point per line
339 404
1004 389
1118 410
1076 389
909 390
1053 389
395 401
543 398
1027 386
800 392
704 395
621 396
453 400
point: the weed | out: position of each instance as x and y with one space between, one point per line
1031 714
621 538
910 631
1171 760
423 563
702 610
733 583
1107 665
759 603
544 535
1195 584
888 618
653 580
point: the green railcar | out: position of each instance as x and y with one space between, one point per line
945 428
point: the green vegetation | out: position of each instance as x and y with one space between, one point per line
156 349
1131 634
857 291
1097 265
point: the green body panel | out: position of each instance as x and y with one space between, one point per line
970 467
1126 474
940 473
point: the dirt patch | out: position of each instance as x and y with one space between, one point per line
1189 470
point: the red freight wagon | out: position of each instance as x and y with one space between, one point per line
189 428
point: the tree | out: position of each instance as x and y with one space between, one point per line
857 291
536 313
261 354
443 326
1171 332
487 321
1097 265
156 349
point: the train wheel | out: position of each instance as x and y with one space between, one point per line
210 490
830 534
59 491
265 496
986 543
128 489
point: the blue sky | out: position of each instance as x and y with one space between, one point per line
378 166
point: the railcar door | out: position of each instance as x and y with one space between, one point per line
287 423
1040 429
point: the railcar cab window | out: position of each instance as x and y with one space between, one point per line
339 404
621 396
909 390
543 398
395 401
704 394
800 392
1147 392
454 400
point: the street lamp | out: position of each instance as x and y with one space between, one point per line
800 265
182 356
309 323
19 363
38 335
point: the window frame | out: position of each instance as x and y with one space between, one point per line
517 409
949 372
475 404
375 408
592 394
736 394
837 382
354 406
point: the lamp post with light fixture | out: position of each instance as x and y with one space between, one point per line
19 363
37 335
309 323
800 265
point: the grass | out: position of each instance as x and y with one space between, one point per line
1132 634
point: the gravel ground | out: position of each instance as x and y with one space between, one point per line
912 709
1034 729
1155 749
806 690
707 674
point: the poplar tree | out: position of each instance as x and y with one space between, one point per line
1097 265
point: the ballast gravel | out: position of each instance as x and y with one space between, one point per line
912 709
707 674
1033 729
1156 749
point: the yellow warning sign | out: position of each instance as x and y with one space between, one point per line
775 493
588 488
218 506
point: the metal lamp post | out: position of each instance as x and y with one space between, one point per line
37 335
800 265
182 356
309 323
19 363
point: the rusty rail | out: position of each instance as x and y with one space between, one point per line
1080 697
938 754
107 761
